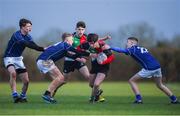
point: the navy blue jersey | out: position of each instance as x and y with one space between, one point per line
18 43
59 50
141 55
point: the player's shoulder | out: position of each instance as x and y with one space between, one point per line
74 33
65 44
17 33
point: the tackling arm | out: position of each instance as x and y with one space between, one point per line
120 50
32 45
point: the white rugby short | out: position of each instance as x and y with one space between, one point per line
17 62
45 65
150 73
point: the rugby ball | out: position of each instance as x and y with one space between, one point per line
101 57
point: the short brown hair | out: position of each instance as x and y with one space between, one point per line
81 24
23 22
92 37
64 35
133 38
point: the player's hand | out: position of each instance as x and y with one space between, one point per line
105 47
72 53
83 60
108 37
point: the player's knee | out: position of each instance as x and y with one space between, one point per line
13 74
87 76
61 80
96 85
130 81
159 85
26 81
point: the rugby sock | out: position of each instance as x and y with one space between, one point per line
138 97
23 95
47 93
14 94
92 98
173 98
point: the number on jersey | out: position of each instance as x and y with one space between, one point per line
143 50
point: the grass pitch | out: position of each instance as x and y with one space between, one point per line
73 99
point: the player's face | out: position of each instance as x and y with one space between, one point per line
129 44
27 28
80 31
69 40
94 45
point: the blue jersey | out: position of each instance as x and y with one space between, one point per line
56 51
15 46
18 43
141 55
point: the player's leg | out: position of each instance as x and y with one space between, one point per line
67 69
85 72
66 77
98 80
92 78
22 73
12 73
58 78
133 82
166 90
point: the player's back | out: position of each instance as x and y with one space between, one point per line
143 56
54 52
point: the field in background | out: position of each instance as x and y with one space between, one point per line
73 99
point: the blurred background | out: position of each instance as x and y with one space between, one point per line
155 22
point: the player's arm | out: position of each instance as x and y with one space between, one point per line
84 46
32 45
28 43
74 53
120 50
105 38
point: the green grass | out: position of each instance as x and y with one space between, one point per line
73 99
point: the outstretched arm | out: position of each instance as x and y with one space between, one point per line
120 50
32 45
74 53
105 38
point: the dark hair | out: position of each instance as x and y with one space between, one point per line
81 24
23 22
133 38
64 35
92 37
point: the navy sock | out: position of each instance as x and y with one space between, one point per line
173 98
15 94
93 98
138 97
47 93
23 95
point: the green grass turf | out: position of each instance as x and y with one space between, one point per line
73 99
